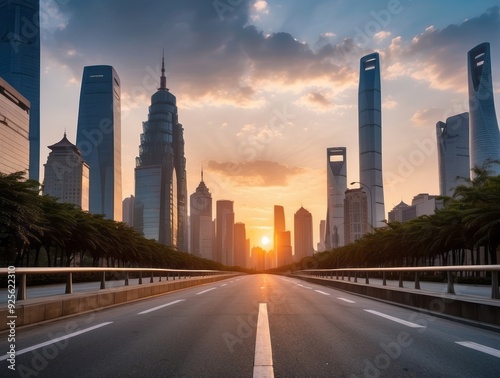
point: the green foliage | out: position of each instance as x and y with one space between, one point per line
470 219
30 223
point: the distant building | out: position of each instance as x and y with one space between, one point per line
240 245
201 230
279 227
396 214
224 251
484 132
66 174
453 152
258 258
285 248
303 234
128 205
355 215
99 138
14 130
336 181
370 136
20 67
321 243
422 204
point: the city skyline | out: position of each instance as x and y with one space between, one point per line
265 88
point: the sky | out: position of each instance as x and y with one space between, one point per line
264 87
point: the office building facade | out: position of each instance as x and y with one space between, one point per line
14 130
240 245
224 246
279 227
160 173
303 234
128 206
336 186
20 64
66 175
99 138
370 136
200 219
355 215
453 152
484 132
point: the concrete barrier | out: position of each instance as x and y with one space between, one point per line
482 310
37 310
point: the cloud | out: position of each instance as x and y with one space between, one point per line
211 59
255 173
426 117
389 103
381 35
437 56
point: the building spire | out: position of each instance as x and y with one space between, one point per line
201 172
163 79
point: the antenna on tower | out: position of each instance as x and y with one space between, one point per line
163 79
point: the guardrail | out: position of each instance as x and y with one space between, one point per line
22 273
353 272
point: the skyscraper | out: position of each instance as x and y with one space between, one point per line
484 133
99 138
240 245
336 186
20 64
66 174
355 214
14 130
370 136
224 246
128 206
201 221
453 152
279 227
160 173
303 234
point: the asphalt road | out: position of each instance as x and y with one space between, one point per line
258 325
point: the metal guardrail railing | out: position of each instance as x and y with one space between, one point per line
353 272
20 275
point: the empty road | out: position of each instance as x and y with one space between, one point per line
254 326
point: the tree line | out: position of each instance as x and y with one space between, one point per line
465 231
37 230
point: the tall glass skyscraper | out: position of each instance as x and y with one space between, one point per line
20 64
336 171
160 173
453 152
99 138
484 133
370 136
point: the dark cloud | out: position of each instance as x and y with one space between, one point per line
207 53
319 99
439 55
255 173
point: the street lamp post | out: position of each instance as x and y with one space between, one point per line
371 201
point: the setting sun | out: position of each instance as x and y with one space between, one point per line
265 240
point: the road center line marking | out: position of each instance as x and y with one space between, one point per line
52 341
204 291
345 300
158 307
479 347
321 292
397 320
263 361
223 285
